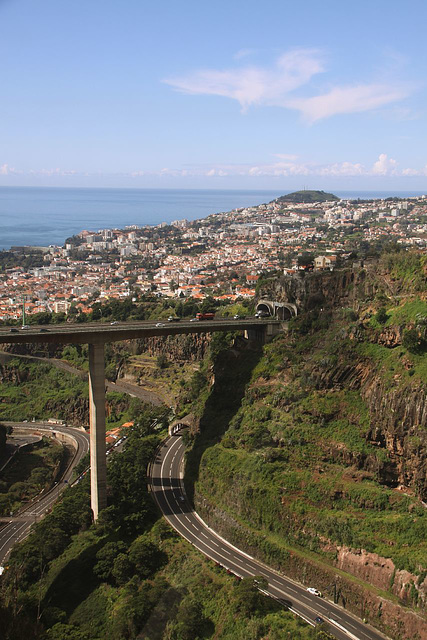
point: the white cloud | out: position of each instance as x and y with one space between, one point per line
384 166
216 172
415 172
252 85
262 86
53 172
343 169
347 100
6 170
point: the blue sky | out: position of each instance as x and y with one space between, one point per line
191 94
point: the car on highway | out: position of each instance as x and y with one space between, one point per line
13 330
173 319
314 592
195 320
318 620
25 326
262 314
114 322
44 330
160 324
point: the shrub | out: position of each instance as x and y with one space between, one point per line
381 316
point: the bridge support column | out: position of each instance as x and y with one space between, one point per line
98 459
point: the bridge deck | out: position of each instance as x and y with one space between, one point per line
98 333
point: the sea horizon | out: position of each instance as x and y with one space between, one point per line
43 216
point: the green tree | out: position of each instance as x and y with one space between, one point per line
413 341
62 631
162 361
123 569
145 556
381 316
190 620
106 557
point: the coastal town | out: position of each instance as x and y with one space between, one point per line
221 256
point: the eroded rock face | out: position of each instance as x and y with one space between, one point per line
190 348
381 572
395 621
323 288
398 417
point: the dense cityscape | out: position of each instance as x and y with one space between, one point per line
221 256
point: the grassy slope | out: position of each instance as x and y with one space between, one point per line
290 463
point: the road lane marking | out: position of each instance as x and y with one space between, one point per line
175 519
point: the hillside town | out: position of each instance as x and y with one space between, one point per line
221 256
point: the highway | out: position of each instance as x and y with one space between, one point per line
17 528
166 476
101 332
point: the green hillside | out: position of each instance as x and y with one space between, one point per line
307 196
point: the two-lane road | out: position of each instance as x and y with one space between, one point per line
168 492
18 528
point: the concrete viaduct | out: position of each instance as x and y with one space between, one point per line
97 334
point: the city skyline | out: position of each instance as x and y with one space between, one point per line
218 97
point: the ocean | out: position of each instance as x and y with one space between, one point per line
42 216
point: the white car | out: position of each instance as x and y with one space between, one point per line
314 591
160 324
194 319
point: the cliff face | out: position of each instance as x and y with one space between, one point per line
191 348
325 288
398 417
327 453
398 410
397 622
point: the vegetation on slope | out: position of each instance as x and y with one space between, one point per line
40 391
131 575
301 465
29 472
307 196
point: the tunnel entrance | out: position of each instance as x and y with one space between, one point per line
281 310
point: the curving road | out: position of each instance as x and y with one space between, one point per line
17 528
166 475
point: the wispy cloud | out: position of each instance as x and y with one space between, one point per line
243 53
347 100
254 85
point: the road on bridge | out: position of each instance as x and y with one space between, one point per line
17 528
101 332
167 489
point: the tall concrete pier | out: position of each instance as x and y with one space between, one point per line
96 335
98 461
